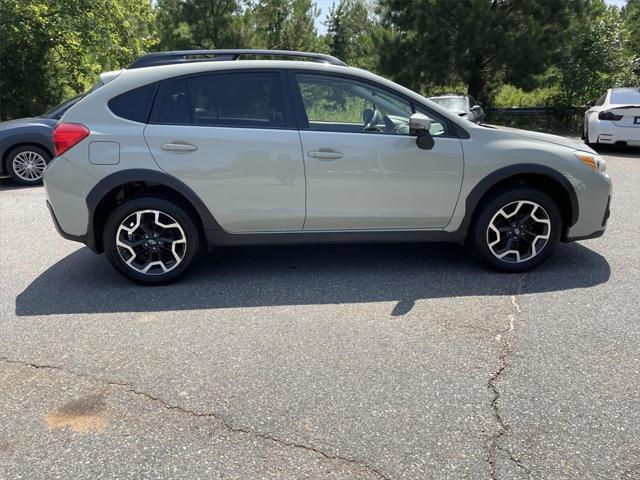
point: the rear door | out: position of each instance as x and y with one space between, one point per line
364 171
230 136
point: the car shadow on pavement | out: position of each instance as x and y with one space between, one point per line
6 183
617 151
302 275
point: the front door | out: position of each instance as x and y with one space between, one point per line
228 137
363 170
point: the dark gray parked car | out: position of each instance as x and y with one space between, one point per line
464 105
26 144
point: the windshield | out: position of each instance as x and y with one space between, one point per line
58 110
455 104
625 97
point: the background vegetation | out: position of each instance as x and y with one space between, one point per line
507 53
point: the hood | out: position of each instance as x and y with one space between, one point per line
27 122
545 137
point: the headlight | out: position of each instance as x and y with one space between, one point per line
594 162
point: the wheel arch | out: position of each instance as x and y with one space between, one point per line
544 178
116 188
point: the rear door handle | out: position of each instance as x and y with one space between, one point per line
325 154
179 147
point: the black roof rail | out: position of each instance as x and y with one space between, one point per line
186 56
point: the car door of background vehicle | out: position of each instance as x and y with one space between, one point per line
373 179
231 138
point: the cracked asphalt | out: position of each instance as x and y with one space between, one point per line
321 362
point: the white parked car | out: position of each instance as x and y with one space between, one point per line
614 119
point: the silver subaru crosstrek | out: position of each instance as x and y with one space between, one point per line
186 151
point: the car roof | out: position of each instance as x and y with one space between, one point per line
625 89
449 95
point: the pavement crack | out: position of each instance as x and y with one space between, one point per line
503 428
186 411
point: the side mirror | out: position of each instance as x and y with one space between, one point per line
419 126
591 103
475 108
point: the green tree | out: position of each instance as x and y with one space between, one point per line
349 32
50 49
631 15
478 42
597 58
201 24
284 24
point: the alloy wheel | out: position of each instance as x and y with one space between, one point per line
518 231
151 242
29 166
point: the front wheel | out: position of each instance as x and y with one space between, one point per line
517 229
150 240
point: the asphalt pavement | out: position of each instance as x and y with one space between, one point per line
321 362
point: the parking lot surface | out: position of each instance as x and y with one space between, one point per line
321 362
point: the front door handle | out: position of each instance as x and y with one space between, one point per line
179 147
325 154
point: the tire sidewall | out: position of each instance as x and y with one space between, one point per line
12 155
150 203
502 199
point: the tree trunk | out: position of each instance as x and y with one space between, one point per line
475 85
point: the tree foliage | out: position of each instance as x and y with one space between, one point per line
514 51
349 32
209 24
631 17
284 24
53 48
201 24
478 42
597 57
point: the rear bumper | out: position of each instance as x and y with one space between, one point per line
88 239
611 135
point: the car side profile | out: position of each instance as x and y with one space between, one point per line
614 119
26 144
465 106
187 151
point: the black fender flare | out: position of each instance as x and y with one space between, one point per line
114 180
484 185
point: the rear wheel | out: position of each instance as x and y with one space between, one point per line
26 165
518 229
150 240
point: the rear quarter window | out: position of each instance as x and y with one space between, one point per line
135 104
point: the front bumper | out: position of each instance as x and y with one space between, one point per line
594 204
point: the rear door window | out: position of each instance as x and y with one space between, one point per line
248 99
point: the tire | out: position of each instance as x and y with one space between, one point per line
139 248
26 165
494 234
585 134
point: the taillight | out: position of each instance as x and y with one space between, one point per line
609 116
67 135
